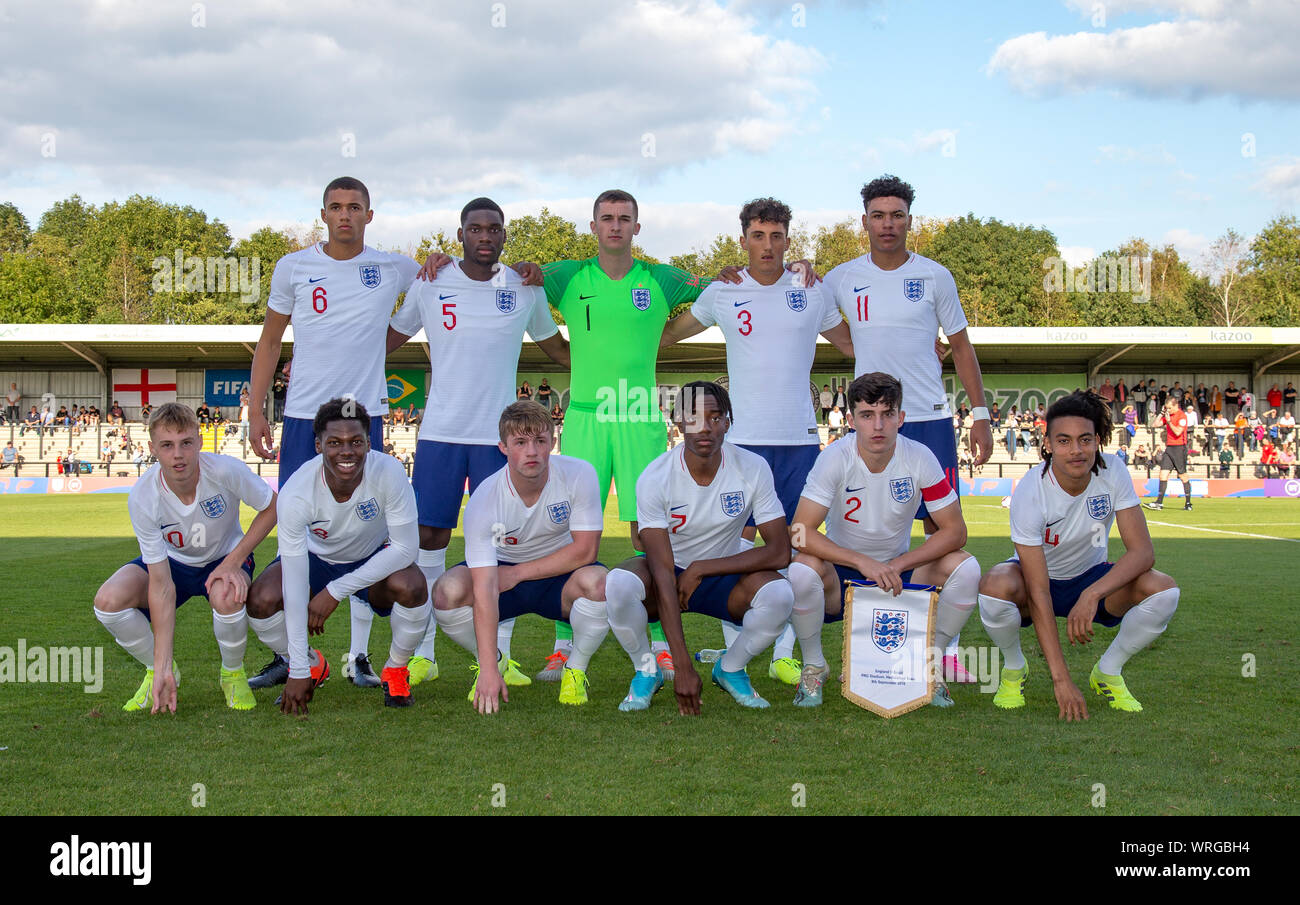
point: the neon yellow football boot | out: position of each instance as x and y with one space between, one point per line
1113 689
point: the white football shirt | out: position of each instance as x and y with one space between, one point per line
895 316
500 529
771 334
207 529
873 513
1073 531
705 522
475 331
339 311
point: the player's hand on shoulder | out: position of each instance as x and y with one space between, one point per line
297 692
164 691
687 582
432 264
1079 622
729 274
883 574
320 608
532 273
687 685
1070 700
803 270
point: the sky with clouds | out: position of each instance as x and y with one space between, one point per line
1167 119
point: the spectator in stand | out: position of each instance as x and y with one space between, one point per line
106 457
1011 425
93 415
1140 400
1141 457
544 394
1121 398
1288 399
1040 427
1203 402
1179 392
826 401
1121 452
412 416
995 416
1286 461
138 458
1222 429
1239 424
47 420
840 402
1193 425
525 391
1247 401
1274 397
1231 400
13 400
71 465
32 422
1130 416
1254 430
835 421
115 414
1026 422
399 416
1285 427
1225 462
1107 391
204 413
9 458
1216 401
279 392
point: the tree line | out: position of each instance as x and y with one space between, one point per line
102 264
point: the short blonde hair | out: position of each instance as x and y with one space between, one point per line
173 415
525 417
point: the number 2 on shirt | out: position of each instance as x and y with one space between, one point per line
746 327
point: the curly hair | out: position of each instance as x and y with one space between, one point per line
887 186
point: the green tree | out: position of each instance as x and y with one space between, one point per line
1273 270
1000 269
15 232
34 290
833 245
544 238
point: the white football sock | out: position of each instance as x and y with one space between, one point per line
362 618
232 637
784 646
132 631
409 625
432 563
956 601
1001 620
459 626
624 603
730 632
590 623
1139 627
272 632
809 612
768 612
505 629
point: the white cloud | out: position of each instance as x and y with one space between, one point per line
1191 246
1281 181
1243 49
263 97
1077 255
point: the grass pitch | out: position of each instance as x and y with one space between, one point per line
1218 735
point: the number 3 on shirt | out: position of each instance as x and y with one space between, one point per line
746 327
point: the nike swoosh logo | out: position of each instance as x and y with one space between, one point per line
738 304
442 298
171 525
321 521
317 280
1057 522
583 298
853 489
675 508
860 288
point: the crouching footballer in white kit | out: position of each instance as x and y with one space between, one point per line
867 488
185 514
347 526
532 532
1061 515
692 504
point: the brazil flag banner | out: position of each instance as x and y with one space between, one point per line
406 386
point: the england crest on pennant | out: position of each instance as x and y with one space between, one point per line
559 512
641 298
1099 506
797 299
505 300
901 489
214 507
370 275
733 503
889 629
914 290
367 510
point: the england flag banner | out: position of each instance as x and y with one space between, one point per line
887 647
138 387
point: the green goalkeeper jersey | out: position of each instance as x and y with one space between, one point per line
615 325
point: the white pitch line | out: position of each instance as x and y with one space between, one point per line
1292 540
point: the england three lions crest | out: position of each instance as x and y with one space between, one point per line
1099 506
889 629
371 276
367 510
733 503
214 507
914 290
797 299
641 298
505 300
901 490
559 512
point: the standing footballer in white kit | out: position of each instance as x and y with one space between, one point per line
338 294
